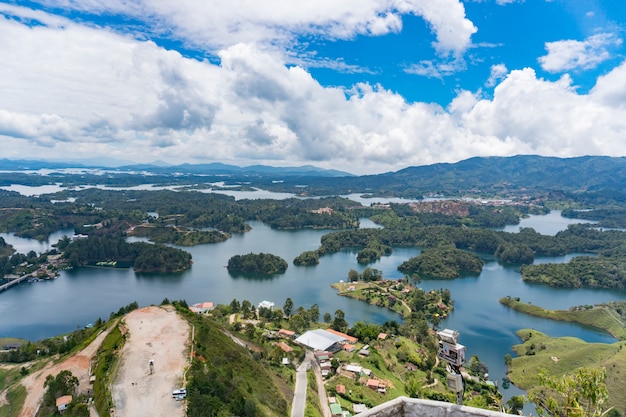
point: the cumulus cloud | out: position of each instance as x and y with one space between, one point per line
40 128
216 25
610 89
81 91
547 118
572 54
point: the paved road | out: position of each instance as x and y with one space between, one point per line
299 396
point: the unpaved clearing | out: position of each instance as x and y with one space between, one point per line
158 334
78 365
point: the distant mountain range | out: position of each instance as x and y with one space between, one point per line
516 175
215 168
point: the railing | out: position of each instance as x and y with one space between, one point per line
412 407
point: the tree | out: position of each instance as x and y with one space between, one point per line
353 275
508 359
327 317
288 307
64 383
246 307
339 322
581 394
314 313
515 404
235 307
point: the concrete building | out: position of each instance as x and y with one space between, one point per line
412 407
321 339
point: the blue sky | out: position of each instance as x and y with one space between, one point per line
365 86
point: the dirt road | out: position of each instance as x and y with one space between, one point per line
78 365
160 335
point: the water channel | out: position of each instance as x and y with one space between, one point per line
38 310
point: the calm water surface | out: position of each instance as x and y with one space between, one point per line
77 297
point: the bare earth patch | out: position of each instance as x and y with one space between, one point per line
78 365
160 335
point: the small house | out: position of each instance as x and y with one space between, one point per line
63 402
202 308
348 347
284 347
287 334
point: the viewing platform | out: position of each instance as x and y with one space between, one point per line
413 407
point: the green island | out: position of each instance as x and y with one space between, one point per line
115 251
563 356
260 263
175 235
607 270
610 317
443 261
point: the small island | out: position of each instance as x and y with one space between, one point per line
114 251
178 235
307 258
261 263
444 261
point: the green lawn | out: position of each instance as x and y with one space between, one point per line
562 355
601 316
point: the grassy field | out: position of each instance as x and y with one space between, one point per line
371 293
562 355
16 397
603 317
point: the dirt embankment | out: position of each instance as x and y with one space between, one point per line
159 335
78 365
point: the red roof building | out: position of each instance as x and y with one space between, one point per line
350 339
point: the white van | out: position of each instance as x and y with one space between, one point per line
179 394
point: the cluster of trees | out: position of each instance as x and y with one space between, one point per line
611 216
64 383
581 271
226 380
443 261
142 256
307 258
180 236
261 263
373 251
368 274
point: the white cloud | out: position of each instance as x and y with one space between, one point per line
610 89
216 25
548 118
498 73
572 54
81 91
436 69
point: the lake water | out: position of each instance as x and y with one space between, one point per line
487 329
